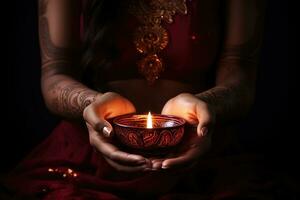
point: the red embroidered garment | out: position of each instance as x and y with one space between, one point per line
191 54
65 166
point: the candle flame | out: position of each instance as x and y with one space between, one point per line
149 120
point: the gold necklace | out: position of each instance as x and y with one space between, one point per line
151 37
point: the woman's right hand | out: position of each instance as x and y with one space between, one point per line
106 106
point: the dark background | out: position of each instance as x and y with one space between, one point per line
264 131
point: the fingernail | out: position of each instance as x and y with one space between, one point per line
204 131
164 167
106 131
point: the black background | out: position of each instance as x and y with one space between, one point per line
264 131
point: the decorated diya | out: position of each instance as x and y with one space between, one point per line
149 132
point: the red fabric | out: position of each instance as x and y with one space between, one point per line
194 41
68 148
192 51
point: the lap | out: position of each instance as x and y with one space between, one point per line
65 166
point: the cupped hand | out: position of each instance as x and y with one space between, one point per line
197 140
105 106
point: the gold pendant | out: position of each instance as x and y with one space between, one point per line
151 37
151 66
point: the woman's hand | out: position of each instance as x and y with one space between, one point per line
100 130
197 140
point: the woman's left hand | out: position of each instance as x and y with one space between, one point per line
197 113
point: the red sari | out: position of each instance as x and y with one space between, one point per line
65 166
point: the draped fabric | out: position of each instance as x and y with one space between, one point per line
65 166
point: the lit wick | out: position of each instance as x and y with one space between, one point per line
149 120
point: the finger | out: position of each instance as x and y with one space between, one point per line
125 158
183 160
104 127
99 124
190 156
205 119
124 168
112 152
157 164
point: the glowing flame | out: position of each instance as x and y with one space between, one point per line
149 120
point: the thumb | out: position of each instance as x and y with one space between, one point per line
204 121
202 130
104 127
99 124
